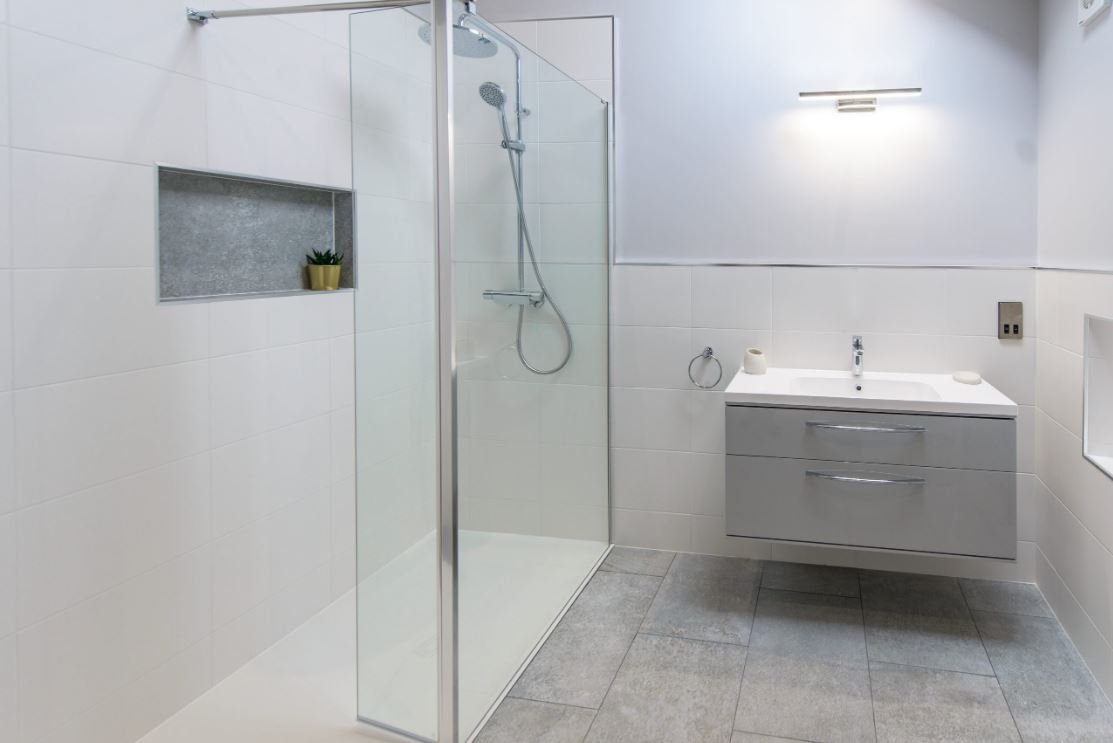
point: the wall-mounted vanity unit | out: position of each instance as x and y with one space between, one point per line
910 462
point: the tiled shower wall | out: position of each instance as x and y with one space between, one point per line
175 481
668 437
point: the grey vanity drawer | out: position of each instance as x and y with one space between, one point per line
890 438
961 512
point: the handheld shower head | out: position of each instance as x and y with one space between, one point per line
492 94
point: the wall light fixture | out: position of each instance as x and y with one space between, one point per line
858 101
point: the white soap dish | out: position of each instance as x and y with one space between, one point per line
967 377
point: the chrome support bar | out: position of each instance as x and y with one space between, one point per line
204 16
865 480
514 297
865 429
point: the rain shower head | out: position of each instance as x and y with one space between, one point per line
492 94
466 42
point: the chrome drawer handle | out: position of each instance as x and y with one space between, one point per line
866 480
866 429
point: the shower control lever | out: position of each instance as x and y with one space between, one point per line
515 297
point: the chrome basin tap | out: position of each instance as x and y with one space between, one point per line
857 358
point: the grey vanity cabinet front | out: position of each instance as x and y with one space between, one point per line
947 487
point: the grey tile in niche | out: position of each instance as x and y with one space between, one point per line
807 625
1051 693
920 704
672 690
828 579
928 595
222 235
640 561
805 699
1007 598
943 643
518 720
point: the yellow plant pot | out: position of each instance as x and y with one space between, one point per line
324 278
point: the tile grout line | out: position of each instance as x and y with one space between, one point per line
866 645
1001 689
633 639
749 640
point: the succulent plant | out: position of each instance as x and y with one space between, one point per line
324 258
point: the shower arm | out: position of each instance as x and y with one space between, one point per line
204 16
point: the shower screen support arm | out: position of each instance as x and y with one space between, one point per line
204 16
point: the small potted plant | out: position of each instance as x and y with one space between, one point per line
324 269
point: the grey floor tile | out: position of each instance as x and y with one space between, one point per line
790 576
1007 598
702 611
942 643
612 601
672 690
640 561
809 625
1051 693
706 598
721 569
582 655
928 595
805 699
518 720
740 737
914 705
573 667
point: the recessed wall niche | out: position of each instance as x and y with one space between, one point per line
1097 445
226 235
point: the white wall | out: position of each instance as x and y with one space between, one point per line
718 162
175 481
1073 497
669 439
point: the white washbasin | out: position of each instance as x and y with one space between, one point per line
891 391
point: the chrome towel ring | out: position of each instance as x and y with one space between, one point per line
708 353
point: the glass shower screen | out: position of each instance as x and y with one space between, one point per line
529 317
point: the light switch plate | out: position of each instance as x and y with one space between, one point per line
1088 10
1010 320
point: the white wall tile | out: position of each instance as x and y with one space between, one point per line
806 350
240 325
61 318
343 443
73 100
901 300
83 653
651 419
250 134
342 367
568 112
572 232
6 341
1059 381
9 556
573 172
75 547
79 434
1007 365
674 482
574 475
573 415
815 299
110 212
5 207
156 34
580 47
7 453
732 297
241 571
652 296
667 531
301 538
972 297
651 357
9 690
900 352
1082 487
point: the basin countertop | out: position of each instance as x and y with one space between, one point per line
883 391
